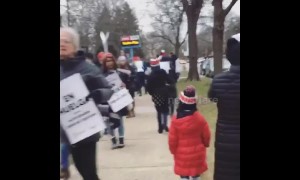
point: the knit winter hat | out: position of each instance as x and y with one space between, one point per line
136 58
122 58
188 96
233 50
154 62
100 55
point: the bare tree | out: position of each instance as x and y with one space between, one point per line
218 32
192 9
168 22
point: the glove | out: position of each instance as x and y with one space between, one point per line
104 109
100 96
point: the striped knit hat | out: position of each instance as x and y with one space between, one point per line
188 96
154 62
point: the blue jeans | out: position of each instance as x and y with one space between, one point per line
121 129
65 151
162 119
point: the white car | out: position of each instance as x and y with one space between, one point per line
210 66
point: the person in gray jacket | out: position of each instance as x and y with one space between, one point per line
73 61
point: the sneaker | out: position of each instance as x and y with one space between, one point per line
121 142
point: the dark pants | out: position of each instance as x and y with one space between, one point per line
162 118
172 102
84 157
140 81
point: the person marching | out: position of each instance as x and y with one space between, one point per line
157 86
73 61
189 137
110 67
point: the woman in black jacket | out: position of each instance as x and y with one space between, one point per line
225 90
72 62
158 86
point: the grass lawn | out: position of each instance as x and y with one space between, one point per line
209 111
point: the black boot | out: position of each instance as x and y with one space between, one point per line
160 129
114 143
64 174
121 142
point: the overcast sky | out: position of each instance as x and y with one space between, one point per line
142 10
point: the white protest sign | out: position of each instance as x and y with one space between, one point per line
178 66
165 66
119 100
139 66
104 38
114 80
79 118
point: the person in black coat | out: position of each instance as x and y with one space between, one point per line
225 90
73 61
157 86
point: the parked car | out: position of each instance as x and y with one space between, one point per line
209 70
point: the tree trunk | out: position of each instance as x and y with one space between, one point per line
68 13
177 48
193 50
218 36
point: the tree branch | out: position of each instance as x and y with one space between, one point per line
164 37
227 10
184 39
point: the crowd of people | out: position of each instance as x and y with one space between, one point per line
189 133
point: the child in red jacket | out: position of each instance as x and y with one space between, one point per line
189 136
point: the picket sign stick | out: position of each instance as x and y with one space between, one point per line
104 38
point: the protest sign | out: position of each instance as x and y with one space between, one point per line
120 99
139 66
79 118
165 65
114 80
178 66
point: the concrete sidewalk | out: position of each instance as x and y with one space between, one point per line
146 155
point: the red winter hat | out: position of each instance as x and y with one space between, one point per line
136 58
188 96
100 55
154 62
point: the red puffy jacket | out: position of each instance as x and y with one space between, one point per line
188 139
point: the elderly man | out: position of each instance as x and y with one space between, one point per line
225 90
72 62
